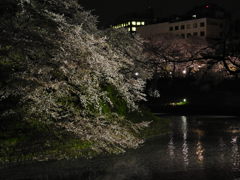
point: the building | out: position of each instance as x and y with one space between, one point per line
131 24
207 21
208 28
132 21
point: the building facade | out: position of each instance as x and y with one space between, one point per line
208 28
208 21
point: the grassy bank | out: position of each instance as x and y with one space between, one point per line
28 141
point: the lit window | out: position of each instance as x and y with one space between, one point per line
133 22
129 23
138 23
143 23
134 28
129 29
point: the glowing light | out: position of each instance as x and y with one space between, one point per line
184 100
138 23
194 16
184 71
136 74
134 28
133 22
143 23
207 6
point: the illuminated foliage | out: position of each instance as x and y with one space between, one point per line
61 71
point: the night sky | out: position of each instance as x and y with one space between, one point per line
109 10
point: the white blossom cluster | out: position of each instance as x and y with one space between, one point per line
70 94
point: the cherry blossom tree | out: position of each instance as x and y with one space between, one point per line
174 56
65 73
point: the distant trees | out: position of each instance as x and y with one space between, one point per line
174 56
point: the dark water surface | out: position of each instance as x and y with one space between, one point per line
198 147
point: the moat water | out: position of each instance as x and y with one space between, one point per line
197 147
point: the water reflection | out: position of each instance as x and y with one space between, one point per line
184 127
185 154
185 144
200 152
222 149
199 132
235 154
171 148
195 146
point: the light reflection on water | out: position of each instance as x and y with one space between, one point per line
185 144
171 148
204 145
203 148
235 154
200 152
